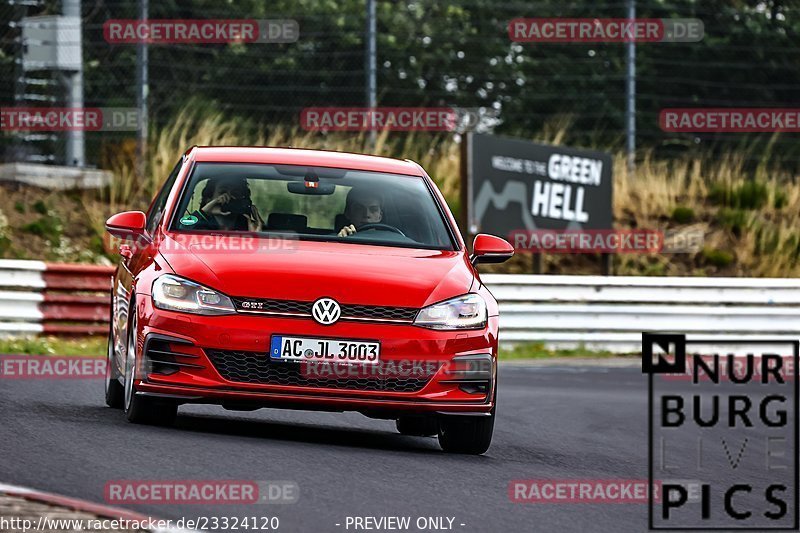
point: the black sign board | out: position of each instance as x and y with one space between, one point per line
514 185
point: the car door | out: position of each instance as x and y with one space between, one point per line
134 257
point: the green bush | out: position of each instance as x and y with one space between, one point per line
717 258
40 207
683 215
48 227
733 219
654 269
749 195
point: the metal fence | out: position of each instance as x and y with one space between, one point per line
610 313
431 53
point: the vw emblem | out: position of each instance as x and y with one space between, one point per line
326 311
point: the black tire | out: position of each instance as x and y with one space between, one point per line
115 392
466 434
418 426
142 409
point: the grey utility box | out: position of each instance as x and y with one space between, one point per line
51 42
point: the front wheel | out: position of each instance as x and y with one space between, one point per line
141 409
417 426
466 434
115 392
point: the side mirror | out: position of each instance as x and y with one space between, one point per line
128 225
490 249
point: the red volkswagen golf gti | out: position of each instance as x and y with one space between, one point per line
266 277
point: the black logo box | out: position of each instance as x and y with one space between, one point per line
664 341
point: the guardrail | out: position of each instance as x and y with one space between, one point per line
610 313
52 298
607 313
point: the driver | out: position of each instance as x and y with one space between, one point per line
361 207
225 204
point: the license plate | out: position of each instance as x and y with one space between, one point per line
331 350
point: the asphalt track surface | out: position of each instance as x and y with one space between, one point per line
557 422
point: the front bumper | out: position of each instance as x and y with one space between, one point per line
194 378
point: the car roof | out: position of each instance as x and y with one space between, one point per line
301 156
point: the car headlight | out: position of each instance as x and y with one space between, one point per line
178 294
462 312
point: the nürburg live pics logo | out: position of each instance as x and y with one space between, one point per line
723 433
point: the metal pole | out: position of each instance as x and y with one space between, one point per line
370 67
630 93
19 12
142 91
75 149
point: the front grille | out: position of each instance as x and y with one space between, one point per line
405 314
272 306
257 367
352 312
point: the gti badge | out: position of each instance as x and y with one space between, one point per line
326 311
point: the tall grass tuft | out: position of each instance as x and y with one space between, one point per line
751 217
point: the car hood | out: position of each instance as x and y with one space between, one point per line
307 270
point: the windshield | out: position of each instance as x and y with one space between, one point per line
313 203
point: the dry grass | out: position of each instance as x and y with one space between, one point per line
197 125
751 215
758 240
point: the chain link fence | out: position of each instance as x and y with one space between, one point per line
430 53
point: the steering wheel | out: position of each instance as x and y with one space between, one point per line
385 227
